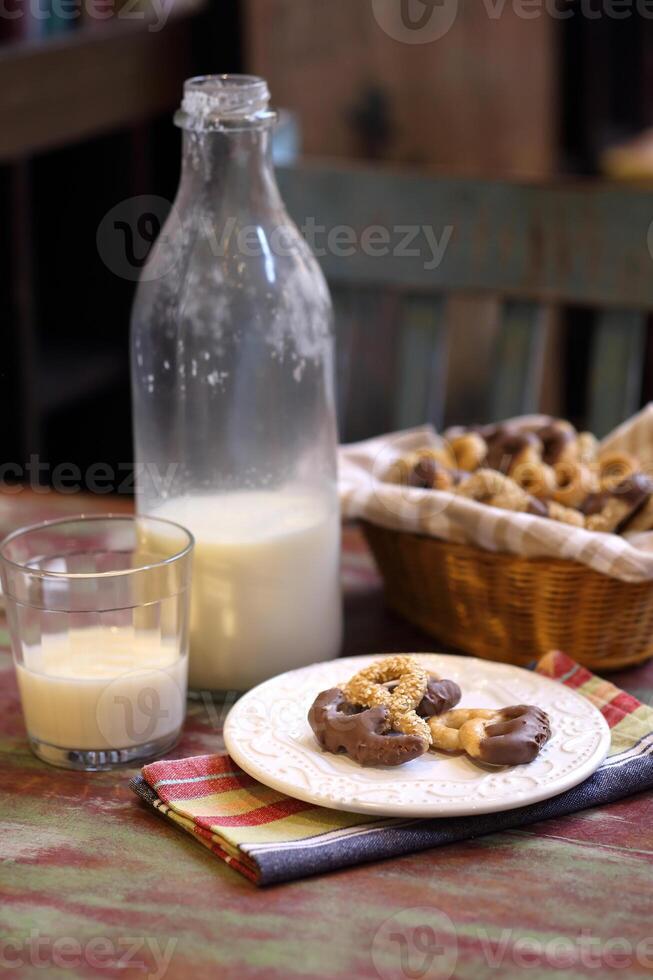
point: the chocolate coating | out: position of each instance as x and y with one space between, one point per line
506 444
425 472
594 503
554 438
517 738
364 734
634 492
441 695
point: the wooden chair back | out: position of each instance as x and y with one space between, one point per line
397 248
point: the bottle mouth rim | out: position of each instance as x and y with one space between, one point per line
212 101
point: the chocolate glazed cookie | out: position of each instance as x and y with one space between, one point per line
516 737
441 696
511 736
363 733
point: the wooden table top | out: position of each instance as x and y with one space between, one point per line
93 884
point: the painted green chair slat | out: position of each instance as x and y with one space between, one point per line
616 374
422 355
345 327
517 363
584 243
366 320
397 241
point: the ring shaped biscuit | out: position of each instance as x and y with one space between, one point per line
470 450
510 448
445 729
538 479
429 474
367 689
559 443
483 485
504 737
574 483
441 455
513 737
613 511
527 456
418 469
497 490
615 468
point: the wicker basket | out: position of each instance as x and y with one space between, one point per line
503 607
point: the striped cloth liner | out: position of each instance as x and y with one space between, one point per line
269 837
450 517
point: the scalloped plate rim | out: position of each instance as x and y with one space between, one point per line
408 809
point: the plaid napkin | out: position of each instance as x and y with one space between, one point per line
270 837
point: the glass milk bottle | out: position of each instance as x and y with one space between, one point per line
233 397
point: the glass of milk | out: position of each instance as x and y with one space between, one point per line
98 612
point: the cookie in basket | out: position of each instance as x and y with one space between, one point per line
545 468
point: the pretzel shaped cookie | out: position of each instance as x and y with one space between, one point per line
445 729
367 689
574 483
509 736
430 468
470 449
615 468
363 734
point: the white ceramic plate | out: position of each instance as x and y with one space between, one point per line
267 734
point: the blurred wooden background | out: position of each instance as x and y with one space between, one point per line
481 100
86 120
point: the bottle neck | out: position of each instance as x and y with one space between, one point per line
232 166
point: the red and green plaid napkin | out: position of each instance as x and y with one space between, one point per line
270 837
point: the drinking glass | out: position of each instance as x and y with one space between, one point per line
98 611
